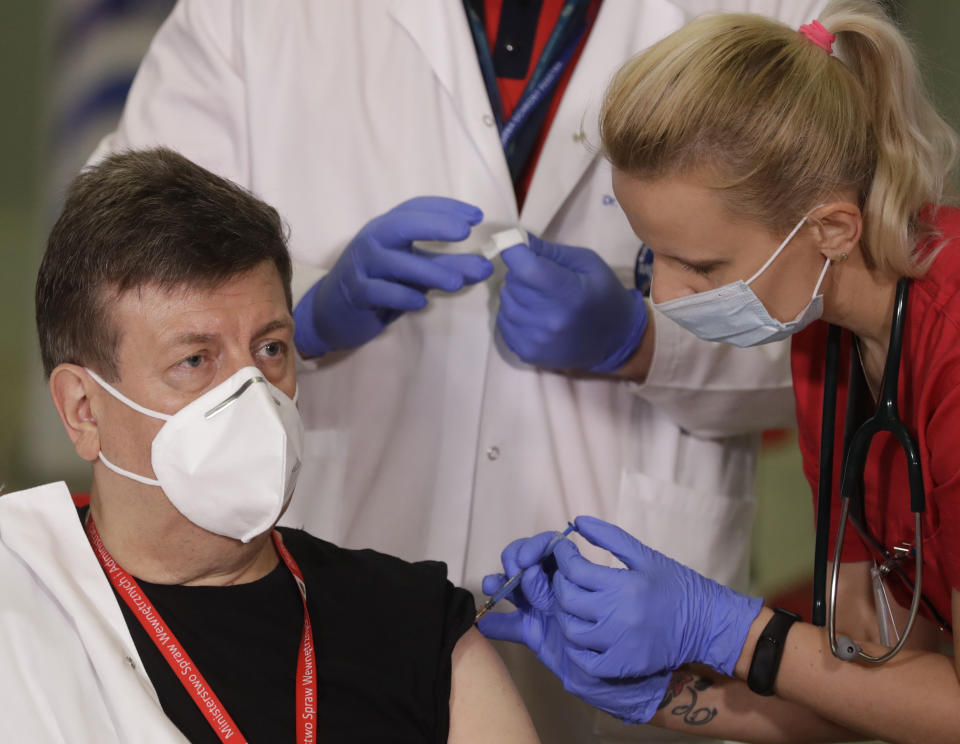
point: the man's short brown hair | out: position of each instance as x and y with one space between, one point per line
138 218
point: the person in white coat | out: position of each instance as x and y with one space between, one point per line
434 438
169 609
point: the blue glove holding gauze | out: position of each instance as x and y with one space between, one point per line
562 307
380 274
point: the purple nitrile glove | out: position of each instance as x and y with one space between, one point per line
562 307
380 275
654 615
525 554
536 624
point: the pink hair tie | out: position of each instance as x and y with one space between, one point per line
819 35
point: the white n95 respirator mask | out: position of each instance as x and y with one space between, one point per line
733 314
227 461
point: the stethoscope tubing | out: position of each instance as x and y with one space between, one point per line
855 450
825 481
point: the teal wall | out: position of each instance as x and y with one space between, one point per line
934 26
23 90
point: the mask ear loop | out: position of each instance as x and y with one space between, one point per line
124 399
127 473
779 250
823 273
827 262
783 245
137 407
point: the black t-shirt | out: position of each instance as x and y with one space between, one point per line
384 631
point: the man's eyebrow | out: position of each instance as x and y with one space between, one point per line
273 325
192 338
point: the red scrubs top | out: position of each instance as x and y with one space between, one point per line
929 404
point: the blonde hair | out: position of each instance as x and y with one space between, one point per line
778 124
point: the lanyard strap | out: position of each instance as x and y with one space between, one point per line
533 97
181 663
569 27
518 134
306 659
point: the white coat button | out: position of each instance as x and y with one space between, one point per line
488 120
493 453
131 662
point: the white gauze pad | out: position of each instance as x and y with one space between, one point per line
502 240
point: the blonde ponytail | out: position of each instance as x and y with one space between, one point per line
777 125
915 148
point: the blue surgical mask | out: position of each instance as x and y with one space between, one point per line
733 314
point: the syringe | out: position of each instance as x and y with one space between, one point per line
504 590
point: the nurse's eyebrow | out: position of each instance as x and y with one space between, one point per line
700 266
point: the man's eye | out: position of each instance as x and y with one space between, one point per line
193 361
273 349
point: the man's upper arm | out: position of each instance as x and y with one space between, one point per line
484 704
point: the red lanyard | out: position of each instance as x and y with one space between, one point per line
175 655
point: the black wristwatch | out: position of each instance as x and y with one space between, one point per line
769 650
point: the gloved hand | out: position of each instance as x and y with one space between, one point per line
535 624
380 274
562 307
525 554
652 616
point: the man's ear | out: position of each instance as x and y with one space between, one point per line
839 227
69 387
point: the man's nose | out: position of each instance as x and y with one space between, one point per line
239 358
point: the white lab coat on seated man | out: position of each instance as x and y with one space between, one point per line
433 440
70 672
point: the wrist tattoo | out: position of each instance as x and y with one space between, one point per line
681 684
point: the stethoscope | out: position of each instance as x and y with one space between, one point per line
856 447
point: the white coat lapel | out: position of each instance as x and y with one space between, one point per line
442 33
574 139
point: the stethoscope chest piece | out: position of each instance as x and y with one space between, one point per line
847 649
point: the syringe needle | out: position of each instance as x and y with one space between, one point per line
504 590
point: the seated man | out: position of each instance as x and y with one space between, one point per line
171 609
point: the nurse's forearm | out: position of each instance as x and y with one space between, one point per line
705 703
913 698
